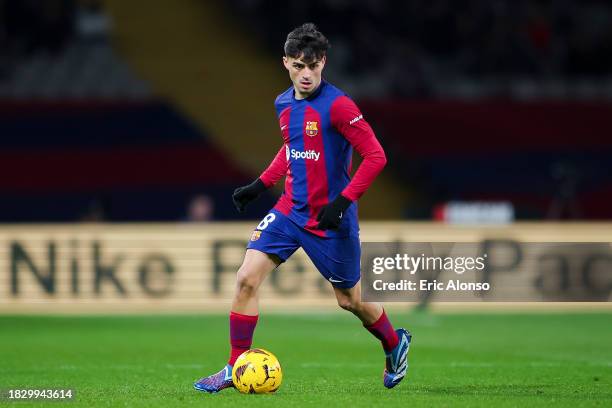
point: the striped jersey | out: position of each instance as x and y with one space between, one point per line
319 134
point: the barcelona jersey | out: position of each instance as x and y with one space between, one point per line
319 134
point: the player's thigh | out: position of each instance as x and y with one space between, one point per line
255 267
275 235
271 243
337 259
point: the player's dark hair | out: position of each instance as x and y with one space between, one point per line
306 41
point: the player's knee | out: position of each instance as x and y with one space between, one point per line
247 284
348 304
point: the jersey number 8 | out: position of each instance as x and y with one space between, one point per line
266 221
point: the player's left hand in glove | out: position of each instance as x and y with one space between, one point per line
330 216
244 195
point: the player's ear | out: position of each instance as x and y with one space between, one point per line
323 60
286 62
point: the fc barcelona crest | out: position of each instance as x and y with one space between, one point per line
312 129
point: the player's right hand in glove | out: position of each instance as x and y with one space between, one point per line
244 195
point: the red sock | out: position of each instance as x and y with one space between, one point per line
241 334
383 330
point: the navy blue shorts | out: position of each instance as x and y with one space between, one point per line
337 259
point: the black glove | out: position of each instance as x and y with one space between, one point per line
244 195
330 216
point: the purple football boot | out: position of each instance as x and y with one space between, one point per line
216 382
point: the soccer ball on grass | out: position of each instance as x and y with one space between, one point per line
257 371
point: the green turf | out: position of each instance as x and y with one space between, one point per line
328 360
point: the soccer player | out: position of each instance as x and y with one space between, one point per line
320 126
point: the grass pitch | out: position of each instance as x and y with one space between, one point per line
328 360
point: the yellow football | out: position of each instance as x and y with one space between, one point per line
257 371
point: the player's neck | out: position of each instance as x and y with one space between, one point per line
299 96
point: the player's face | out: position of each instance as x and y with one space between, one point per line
306 77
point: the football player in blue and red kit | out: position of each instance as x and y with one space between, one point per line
320 127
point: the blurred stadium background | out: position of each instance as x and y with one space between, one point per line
119 111
126 125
